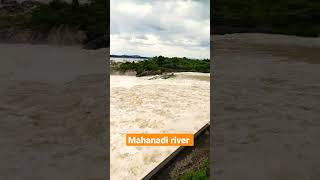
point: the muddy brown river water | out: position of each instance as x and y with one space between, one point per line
266 120
266 107
52 112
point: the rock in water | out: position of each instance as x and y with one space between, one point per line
154 77
149 73
166 76
163 76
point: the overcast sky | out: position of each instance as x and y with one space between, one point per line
171 28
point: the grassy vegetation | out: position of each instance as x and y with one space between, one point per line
90 18
203 173
294 17
165 64
13 21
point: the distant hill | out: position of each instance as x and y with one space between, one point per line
129 56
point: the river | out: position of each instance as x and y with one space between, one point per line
53 104
52 112
139 105
266 107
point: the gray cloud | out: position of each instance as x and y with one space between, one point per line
171 28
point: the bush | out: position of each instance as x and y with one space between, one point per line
203 173
90 18
293 17
165 64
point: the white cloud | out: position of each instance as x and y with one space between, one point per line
134 9
169 28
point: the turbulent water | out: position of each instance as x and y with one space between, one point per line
125 59
139 105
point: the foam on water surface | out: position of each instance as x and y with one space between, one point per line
139 105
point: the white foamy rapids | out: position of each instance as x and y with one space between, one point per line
126 59
139 105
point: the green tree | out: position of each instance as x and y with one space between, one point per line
160 60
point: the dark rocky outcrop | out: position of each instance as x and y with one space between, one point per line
163 76
149 73
166 76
